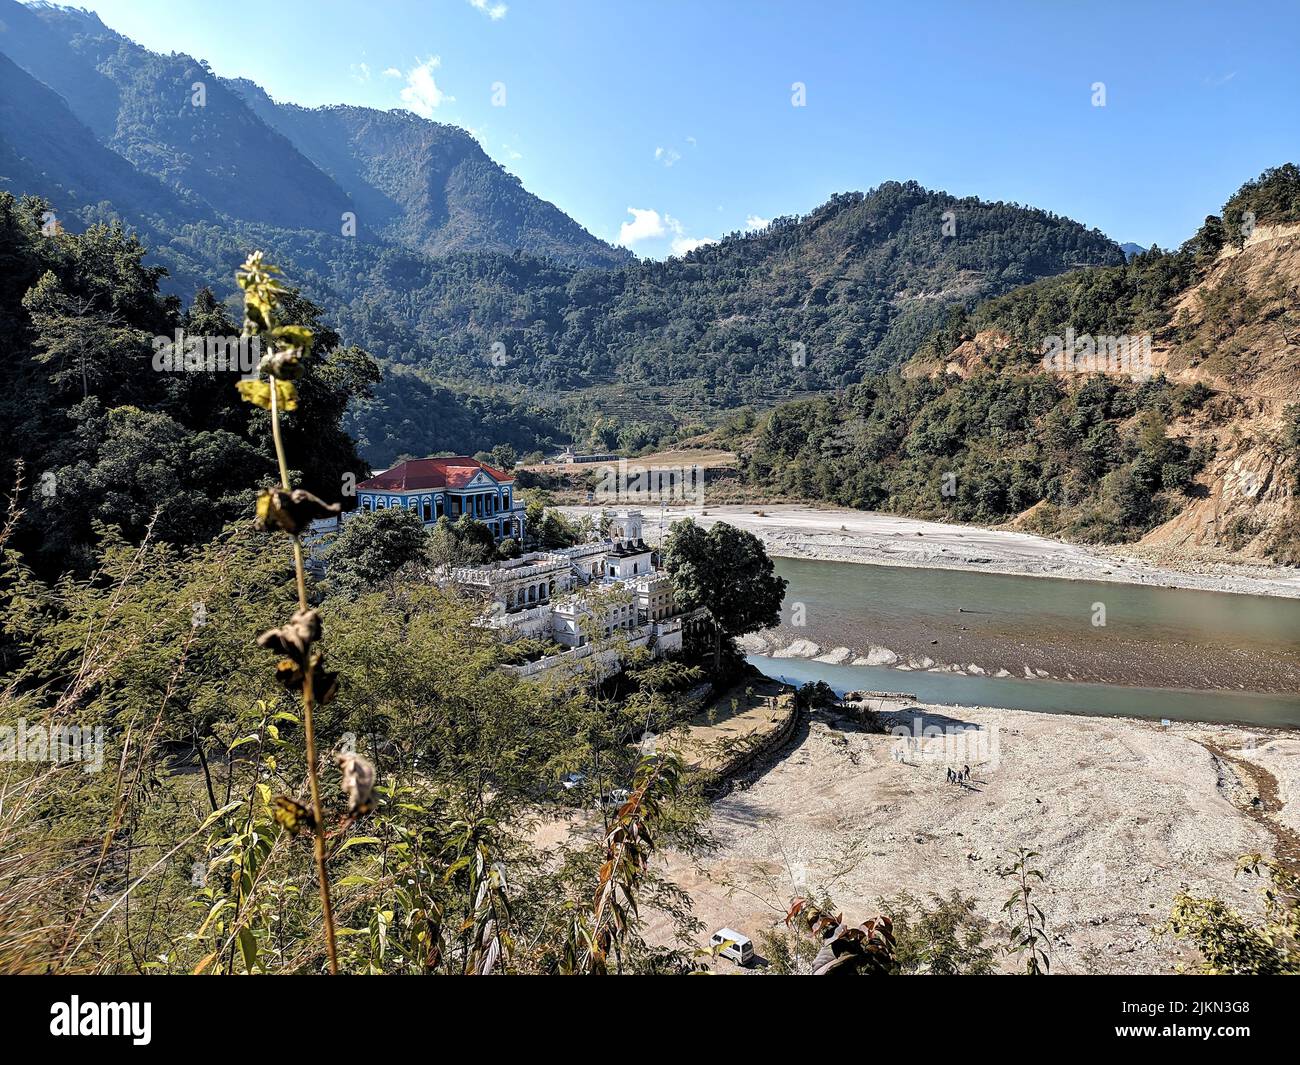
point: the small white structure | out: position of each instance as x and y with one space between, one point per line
626 554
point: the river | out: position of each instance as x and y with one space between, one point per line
1035 643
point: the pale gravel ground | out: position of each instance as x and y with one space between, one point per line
833 534
1277 752
1124 812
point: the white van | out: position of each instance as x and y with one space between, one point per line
739 948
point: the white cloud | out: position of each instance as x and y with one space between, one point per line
753 221
421 93
649 224
682 245
667 156
495 12
392 72
511 152
645 225
360 71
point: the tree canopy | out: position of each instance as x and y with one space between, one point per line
728 573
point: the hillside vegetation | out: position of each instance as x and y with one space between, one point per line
225 149
1203 453
101 435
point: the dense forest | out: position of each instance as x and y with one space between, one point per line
101 435
986 449
808 303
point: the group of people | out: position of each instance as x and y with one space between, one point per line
959 776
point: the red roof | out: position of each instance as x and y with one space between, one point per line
418 475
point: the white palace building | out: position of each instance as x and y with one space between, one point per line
591 600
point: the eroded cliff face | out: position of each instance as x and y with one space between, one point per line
1238 333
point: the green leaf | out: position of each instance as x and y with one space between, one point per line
258 393
248 948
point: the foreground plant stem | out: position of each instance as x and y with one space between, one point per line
318 823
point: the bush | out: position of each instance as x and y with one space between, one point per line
1234 944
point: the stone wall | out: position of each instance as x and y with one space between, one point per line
753 749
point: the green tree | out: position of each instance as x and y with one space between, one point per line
373 546
465 542
944 938
503 456
1234 944
726 571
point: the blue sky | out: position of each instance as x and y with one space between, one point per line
659 125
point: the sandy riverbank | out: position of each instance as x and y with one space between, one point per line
1125 813
839 535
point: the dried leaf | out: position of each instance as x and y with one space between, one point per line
285 365
324 685
294 639
292 511
292 815
358 782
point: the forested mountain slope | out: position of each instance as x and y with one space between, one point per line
102 435
808 303
1204 452
428 185
44 146
227 150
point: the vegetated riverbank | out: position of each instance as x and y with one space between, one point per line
792 530
1124 814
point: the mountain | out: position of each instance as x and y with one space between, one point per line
461 276
428 185
177 122
807 303
1200 454
45 147
1130 249
37 37
226 149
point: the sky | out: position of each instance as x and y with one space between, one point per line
662 125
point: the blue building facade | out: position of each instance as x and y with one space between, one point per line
448 488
